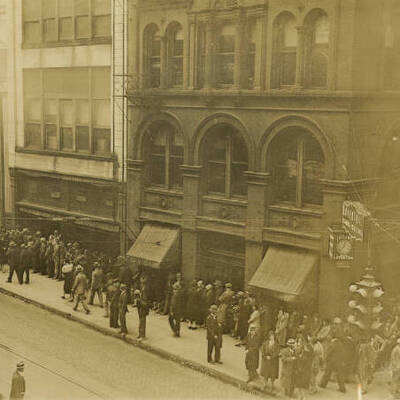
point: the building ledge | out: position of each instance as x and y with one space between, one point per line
69 43
65 154
295 210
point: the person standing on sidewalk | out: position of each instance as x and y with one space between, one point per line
142 308
18 386
395 370
252 359
108 289
123 309
176 309
97 284
13 260
80 288
214 336
114 304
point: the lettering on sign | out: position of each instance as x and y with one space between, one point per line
354 219
340 245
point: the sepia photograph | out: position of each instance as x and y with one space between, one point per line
199 199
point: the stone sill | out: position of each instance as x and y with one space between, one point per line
287 208
225 201
69 43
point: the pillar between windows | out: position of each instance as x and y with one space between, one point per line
163 63
300 57
210 54
190 56
240 58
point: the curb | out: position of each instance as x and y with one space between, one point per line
222 376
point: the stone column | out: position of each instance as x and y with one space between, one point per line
257 203
13 196
190 59
210 54
300 56
191 205
164 62
240 49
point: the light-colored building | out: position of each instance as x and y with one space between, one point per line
66 146
252 122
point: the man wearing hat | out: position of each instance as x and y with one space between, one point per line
224 301
79 289
18 383
214 336
13 260
288 359
97 284
123 309
252 360
142 308
176 309
114 304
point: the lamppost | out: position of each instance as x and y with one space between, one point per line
365 304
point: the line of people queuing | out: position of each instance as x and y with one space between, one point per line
300 351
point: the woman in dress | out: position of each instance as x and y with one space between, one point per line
67 273
281 327
270 360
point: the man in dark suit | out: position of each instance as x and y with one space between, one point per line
142 308
176 309
214 336
13 260
123 309
114 304
252 360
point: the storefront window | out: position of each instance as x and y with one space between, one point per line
297 162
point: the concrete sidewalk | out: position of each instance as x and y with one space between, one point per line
190 349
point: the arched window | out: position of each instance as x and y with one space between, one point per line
175 55
285 50
226 55
152 56
164 150
317 39
296 161
226 159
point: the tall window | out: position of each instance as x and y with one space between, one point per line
297 163
68 109
226 55
175 55
285 50
226 159
201 55
49 21
152 61
165 157
252 32
318 50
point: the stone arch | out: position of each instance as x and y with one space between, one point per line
313 15
151 119
221 119
297 121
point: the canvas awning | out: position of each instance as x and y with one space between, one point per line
156 246
285 273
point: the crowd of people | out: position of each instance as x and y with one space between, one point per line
302 351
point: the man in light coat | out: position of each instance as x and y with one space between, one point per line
18 383
80 288
97 284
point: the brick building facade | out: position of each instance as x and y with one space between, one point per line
251 122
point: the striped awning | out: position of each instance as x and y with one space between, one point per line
156 246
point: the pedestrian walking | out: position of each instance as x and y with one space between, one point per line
176 309
123 309
97 284
143 310
114 304
302 376
18 386
108 289
317 363
252 359
270 360
214 336
80 288
395 369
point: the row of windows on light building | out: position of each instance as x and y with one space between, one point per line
49 21
68 109
163 67
294 158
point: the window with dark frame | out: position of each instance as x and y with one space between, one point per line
175 56
252 31
152 57
50 21
285 53
68 109
226 158
318 39
226 54
297 162
166 157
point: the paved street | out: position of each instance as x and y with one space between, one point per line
65 360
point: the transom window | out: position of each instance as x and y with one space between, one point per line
68 109
226 160
48 21
297 164
285 53
165 156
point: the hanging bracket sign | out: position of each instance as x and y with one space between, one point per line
354 219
